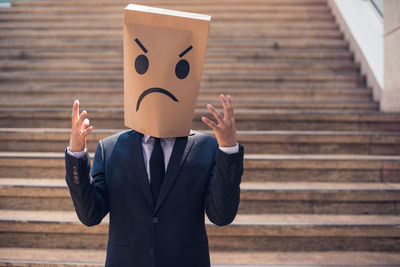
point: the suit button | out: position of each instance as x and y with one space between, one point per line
76 179
74 168
75 173
151 253
155 220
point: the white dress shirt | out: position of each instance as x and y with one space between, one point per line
167 145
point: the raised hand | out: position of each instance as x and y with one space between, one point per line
80 129
225 130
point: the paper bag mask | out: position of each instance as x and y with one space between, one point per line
163 62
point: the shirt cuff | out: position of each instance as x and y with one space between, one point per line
77 154
230 150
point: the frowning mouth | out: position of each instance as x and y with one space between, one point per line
154 90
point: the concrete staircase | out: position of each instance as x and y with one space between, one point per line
322 168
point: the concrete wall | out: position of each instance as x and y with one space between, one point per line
391 93
363 29
376 47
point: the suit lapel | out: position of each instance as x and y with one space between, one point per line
139 168
179 153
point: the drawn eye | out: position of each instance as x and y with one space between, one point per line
141 64
182 69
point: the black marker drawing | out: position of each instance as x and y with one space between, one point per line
186 50
141 45
182 69
154 90
141 62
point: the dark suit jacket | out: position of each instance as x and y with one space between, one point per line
200 178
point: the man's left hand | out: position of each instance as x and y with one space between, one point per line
225 130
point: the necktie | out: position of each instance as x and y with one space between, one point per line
157 168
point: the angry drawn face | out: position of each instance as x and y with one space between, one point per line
182 70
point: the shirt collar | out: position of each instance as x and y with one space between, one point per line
146 138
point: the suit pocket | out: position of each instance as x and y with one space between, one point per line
117 255
117 244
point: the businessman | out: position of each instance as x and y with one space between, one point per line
157 190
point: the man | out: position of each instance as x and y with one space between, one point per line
157 190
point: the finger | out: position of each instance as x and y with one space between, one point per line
209 123
85 124
230 106
87 131
215 113
75 112
227 113
81 119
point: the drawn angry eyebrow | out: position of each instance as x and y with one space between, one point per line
186 50
141 45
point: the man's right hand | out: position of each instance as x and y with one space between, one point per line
80 129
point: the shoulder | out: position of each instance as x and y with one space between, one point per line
203 139
111 140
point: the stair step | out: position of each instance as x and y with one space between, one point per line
208 78
320 55
306 44
245 119
212 9
259 167
111 75
118 102
238 25
308 3
321 142
275 142
222 17
319 198
32 257
117 34
266 232
256 197
324 93
214 65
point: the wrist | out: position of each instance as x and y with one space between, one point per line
230 150
76 149
228 144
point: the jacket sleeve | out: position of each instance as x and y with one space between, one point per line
88 190
223 195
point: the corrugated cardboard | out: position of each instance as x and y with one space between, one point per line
163 62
